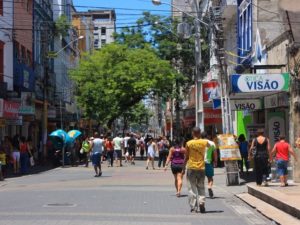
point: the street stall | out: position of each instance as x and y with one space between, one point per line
230 154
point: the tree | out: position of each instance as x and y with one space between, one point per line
114 79
61 26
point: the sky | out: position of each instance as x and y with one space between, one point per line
127 11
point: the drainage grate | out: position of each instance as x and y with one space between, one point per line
60 205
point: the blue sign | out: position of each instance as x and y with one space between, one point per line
216 103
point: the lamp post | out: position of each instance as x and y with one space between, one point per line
197 22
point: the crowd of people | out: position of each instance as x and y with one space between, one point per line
16 153
196 158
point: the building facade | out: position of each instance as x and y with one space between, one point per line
104 25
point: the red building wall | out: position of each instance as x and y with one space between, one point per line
23 29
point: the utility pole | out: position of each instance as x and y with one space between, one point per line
45 99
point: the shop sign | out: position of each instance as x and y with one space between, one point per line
271 101
216 103
212 116
211 91
1 107
259 82
276 126
11 109
27 103
15 122
245 105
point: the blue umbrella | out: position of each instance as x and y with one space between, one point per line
74 134
60 134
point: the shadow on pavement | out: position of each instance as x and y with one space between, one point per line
214 211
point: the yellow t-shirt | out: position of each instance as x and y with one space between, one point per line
3 158
196 150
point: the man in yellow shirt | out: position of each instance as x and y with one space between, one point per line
195 163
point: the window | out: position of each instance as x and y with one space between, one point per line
103 30
244 29
1 61
96 28
103 41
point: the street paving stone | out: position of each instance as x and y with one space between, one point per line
123 196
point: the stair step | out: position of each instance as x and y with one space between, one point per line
268 210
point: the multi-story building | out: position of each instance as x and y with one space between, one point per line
104 22
84 26
6 57
65 44
43 65
24 78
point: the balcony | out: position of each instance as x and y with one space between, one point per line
229 8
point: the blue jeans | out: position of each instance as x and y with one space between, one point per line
282 167
24 161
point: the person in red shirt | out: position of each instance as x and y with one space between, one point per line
283 149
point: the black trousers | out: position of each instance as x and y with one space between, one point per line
162 157
261 165
110 155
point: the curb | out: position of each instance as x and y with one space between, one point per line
273 200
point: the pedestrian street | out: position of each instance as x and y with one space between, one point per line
122 196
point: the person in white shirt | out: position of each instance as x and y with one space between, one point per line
118 142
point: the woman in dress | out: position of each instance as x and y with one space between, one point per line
176 157
152 149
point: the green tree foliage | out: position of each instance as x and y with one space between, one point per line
116 78
61 26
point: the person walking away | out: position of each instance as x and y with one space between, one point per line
24 155
152 148
109 146
176 157
3 163
142 147
30 150
282 149
131 143
118 145
86 148
7 147
211 159
194 161
16 153
126 138
163 146
261 153
243 146
97 150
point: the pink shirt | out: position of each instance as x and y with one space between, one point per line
282 150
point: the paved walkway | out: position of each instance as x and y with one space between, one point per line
123 196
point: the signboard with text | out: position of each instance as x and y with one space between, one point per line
276 125
245 104
245 83
212 116
229 149
11 109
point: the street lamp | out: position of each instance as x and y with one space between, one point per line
55 54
